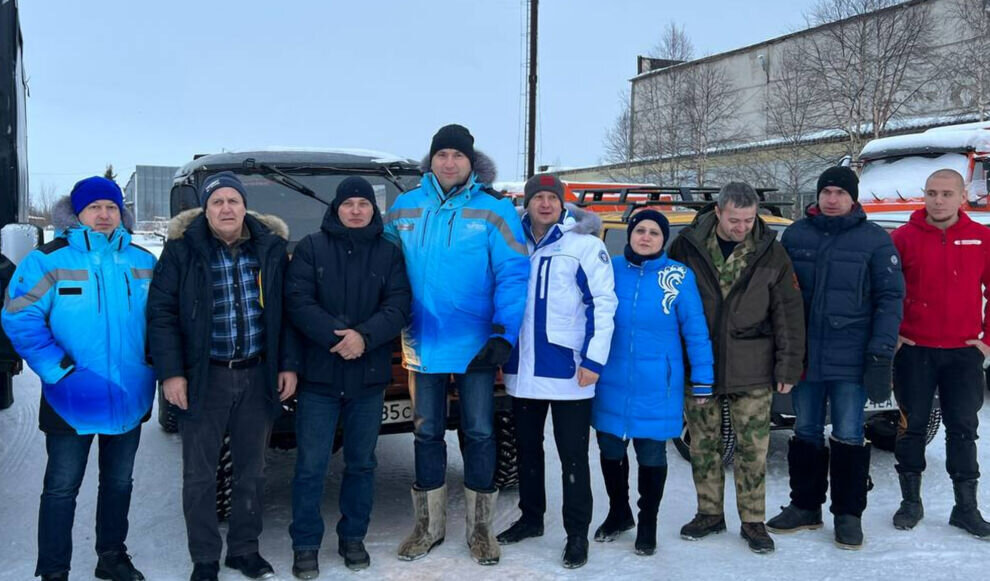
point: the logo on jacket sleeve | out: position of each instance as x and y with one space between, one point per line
603 256
670 280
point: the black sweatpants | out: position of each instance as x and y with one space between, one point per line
958 376
571 431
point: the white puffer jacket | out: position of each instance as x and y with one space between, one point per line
570 305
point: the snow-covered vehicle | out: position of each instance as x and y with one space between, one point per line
298 186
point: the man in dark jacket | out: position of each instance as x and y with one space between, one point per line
853 290
218 345
947 271
347 292
756 321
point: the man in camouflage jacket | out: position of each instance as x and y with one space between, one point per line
756 321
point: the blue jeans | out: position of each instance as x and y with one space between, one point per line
648 452
476 394
316 425
67 458
844 401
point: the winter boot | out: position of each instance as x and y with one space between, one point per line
480 508
703 525
756 536
520 530
651 483
850 474
205 571
808 468
575 552
911 510
117 566
965 514
620 517
305 564
430 512
354 554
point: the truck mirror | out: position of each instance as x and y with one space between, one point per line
17 240
183 197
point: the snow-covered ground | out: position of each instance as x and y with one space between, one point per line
157 538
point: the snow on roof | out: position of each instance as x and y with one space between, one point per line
377 156
904 178
952 138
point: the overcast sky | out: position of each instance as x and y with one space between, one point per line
130 83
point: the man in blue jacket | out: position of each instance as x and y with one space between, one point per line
851 282
468 267
75 313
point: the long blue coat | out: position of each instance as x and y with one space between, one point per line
641 390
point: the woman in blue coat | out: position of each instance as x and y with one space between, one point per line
640 393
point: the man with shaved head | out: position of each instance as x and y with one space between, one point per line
942 345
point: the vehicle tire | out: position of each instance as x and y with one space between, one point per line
881 428
506 456
683 444
166 413
225 479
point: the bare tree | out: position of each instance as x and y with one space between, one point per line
674 45
969 68
869 64
42 203
710 103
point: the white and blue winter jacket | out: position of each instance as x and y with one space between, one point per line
468 267
75 311
570 307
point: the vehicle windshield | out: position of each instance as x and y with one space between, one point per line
303 214
906 175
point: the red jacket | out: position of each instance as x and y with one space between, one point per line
946 273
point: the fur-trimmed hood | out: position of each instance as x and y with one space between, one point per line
483 167
64 217
178 225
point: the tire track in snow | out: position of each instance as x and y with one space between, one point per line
14 448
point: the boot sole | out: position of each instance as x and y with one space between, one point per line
308 574
846 547
699 537
646 552
798 529
958 525
418 557
612 537
905 527
103 574
519 540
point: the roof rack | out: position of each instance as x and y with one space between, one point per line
684 197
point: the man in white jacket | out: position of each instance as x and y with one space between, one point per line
563 345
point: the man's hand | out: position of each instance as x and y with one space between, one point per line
586 377
905 341
176 391
494 353
287 381
785 387
981 346
351 345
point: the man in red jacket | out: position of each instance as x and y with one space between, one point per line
946 267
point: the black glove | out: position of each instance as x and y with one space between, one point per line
494 353
877 378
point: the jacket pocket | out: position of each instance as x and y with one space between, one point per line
759 331
843 322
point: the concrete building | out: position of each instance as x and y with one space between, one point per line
147 192
752 142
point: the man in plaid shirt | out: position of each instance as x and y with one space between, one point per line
224 359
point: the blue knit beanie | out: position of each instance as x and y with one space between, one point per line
657 217
87 191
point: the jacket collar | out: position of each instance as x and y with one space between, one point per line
835 224
85 239
919 219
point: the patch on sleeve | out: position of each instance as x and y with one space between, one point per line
603 256
893 259
405 226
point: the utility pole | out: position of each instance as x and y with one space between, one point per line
531 92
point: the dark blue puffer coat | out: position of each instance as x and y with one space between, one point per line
853 290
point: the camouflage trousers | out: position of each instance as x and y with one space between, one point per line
750 416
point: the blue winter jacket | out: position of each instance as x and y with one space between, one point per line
640 393
468 267
853 289
75 311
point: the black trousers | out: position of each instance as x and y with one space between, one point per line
958 376
235 400
571 431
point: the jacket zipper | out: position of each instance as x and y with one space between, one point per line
450 228
99 293
632 353
426 223
127 282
